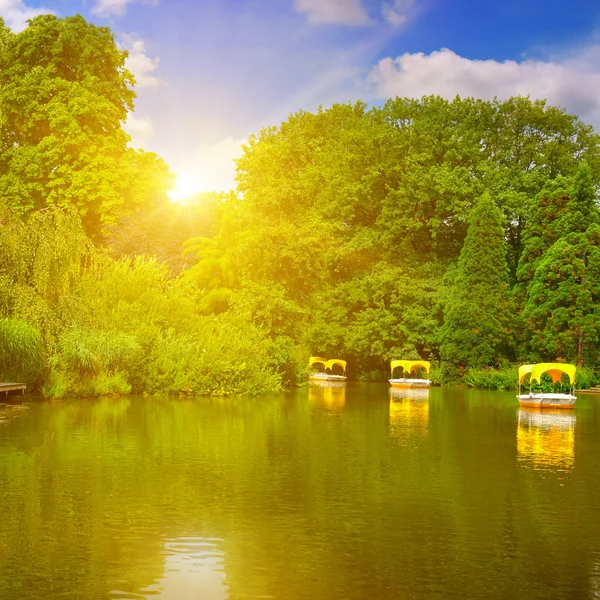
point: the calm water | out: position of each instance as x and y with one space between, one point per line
326 493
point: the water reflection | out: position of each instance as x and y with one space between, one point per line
272 498
328 394
409 393
409 414
193 569
10 412
546 439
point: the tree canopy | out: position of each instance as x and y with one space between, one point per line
462 231
64 95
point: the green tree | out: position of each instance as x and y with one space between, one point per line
562 310
64 95
41 263
476 315
161 229
563 206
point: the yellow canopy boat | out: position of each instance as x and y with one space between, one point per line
548 399
327 374
410 367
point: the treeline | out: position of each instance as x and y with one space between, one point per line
465 232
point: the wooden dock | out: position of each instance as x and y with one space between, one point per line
12 387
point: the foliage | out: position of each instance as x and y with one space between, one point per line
21 352
91 352
586 378
41 262
64 95
91 362
565 205
505 378
366 234
161 229
476 315
562 311
220 358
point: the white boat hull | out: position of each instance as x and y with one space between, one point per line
409 383
543 400
326 377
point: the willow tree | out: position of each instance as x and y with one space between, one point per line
64 96
41 263
474 333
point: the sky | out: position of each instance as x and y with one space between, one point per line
212 72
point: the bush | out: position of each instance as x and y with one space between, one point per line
585 378
223 357
21 352
91 363
84 350
55 386
505 378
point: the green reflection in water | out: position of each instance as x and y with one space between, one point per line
330 492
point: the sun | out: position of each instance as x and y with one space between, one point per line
185 187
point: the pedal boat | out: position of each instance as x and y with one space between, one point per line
327 373
410 367
560 400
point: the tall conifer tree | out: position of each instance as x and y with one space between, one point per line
562 312
475 325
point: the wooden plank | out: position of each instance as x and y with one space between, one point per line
12 387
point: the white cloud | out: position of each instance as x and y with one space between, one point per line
115 8
397 12
16 13
211 168
141 130
140 64
335 12
572 82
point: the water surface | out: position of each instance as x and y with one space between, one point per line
324 493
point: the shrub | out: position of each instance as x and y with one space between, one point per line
91 363
223 357
585 378
505 378
21 351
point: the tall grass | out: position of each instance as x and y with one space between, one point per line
91 363
21 352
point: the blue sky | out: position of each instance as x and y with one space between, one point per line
211 72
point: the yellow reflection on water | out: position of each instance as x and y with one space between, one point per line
546 439
409 414
328 394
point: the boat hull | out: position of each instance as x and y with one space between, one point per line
326 377
409 383
561 401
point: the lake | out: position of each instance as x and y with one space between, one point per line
323 493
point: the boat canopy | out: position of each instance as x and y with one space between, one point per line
524 370
336 361
555 370
313 360
410 365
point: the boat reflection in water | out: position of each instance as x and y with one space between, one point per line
330 394
546 439
409 414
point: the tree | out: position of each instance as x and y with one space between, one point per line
162 228
64 95
562 309
564 205
476 315
544 227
